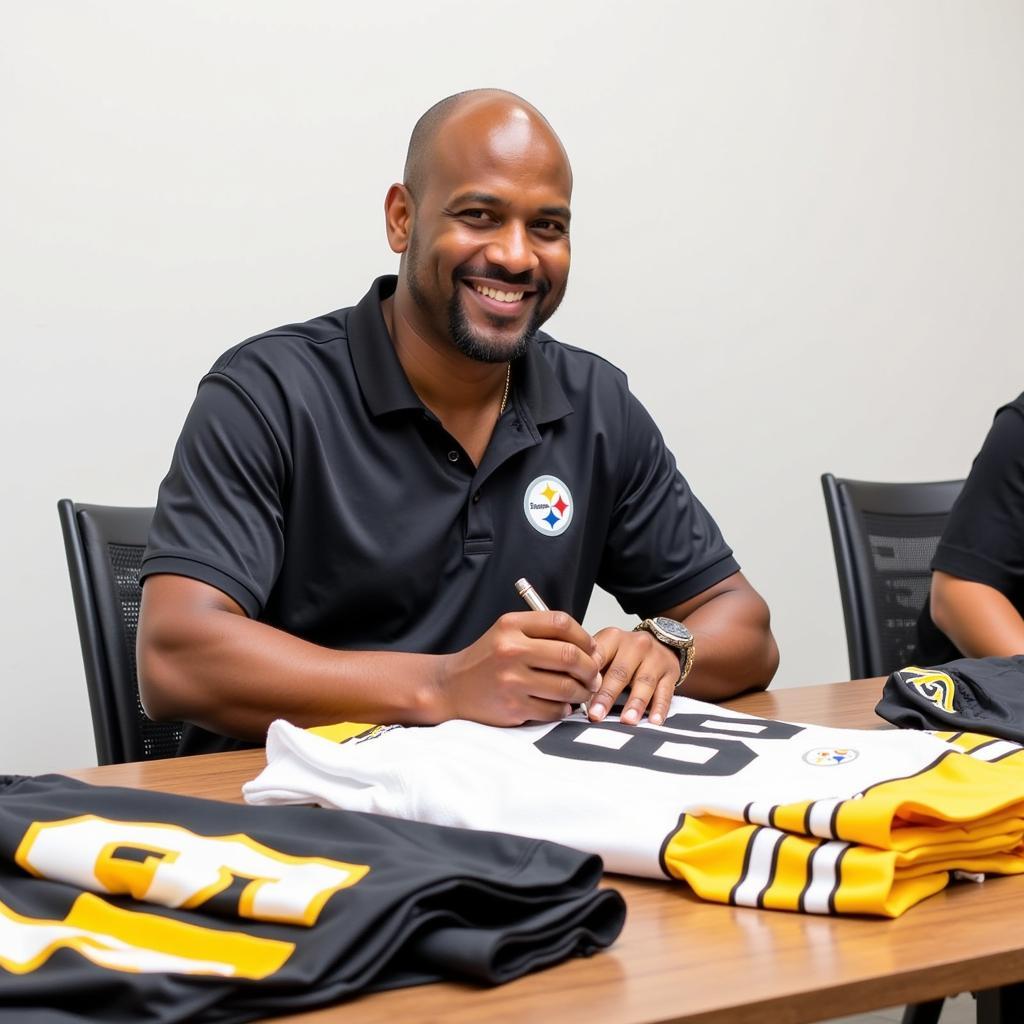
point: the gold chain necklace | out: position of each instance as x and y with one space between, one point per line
508 381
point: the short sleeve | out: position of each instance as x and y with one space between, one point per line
663 547
219 515
984 537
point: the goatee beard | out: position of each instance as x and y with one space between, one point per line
467 341
482 349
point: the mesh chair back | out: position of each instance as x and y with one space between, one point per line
104 547
884 537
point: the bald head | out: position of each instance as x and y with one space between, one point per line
479 111
482 225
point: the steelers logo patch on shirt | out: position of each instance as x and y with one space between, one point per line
548 505
823 757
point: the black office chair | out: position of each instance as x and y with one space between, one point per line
104 545
884 537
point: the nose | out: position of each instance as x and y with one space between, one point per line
511 248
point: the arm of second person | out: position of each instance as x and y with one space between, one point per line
979 619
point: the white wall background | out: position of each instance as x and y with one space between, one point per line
798 225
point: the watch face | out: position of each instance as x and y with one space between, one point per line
674 629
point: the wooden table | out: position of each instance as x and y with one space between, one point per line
680 959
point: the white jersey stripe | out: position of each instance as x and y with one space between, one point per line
995 750
759 812
824 878
819 818
760 862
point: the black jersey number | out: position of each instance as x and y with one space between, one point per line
660 750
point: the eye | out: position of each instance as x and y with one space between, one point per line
550 227
479 215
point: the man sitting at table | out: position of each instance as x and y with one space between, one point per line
352 498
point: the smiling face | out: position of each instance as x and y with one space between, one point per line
486 249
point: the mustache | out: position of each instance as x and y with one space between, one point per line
497 273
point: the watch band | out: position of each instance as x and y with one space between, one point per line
684 648
685 664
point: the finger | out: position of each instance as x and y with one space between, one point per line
607 641
644 683
538 710
661 702
557 686
563 658
651 692
615 678
553 625
665 680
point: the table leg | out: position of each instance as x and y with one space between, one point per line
924 1013
1004 1005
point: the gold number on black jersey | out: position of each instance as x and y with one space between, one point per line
175 867
135 942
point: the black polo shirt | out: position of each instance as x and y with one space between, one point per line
312 485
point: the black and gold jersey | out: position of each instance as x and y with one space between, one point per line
745 810
126 905
984 695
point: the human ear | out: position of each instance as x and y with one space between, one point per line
398 215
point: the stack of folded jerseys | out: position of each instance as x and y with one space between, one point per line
124 906
745 810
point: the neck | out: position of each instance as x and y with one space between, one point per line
450 384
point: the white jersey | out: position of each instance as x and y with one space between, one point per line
644 797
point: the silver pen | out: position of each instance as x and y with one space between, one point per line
524 588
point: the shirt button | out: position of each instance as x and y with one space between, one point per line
453 456
476 497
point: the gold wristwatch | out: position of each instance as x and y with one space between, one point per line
675 635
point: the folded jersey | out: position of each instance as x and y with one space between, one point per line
746 810
983 695
126 905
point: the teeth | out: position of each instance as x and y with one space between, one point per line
493 293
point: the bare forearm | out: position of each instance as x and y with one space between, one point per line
202 660
234 676
734 652
734 649
978 619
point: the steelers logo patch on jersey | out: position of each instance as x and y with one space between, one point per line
824 757
548 506
934 686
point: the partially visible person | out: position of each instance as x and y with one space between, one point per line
976 605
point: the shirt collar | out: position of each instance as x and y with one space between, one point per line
387 389
537 387
381 377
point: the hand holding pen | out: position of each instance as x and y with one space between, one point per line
527 667
525 590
